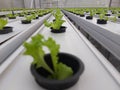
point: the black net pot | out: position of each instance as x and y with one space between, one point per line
77 14
29 14
82 15
25 21
89 17
61 30
98 13
45 13
41 74
37 17
87 11
2 16
101 21
113 13
54 20
40 15
6 30
118 16
12 17
21 15
107 14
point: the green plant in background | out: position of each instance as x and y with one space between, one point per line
81 12
34 16
58 15
35 49
22 13
102 16
106 18
3 22
118 14
39 13
91 13
114 11
29 17
58 21
11 15
113 19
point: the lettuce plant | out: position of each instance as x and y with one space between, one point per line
58 21
106 18
103 17
11 15
113 19
29 18
118 14
34 16
3 22
55 25
81 12
92 13
35 49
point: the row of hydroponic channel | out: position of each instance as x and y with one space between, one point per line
102 30
44 50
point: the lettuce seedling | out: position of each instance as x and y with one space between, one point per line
81 12
113 19
29 17
58 21
118 14
58 15
92 13
3 22
34 16
11 15
35 49
101 16
54 25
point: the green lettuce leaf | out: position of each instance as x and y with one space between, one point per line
58 21
34 48
63 71
3 22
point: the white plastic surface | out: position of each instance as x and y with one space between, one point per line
95 76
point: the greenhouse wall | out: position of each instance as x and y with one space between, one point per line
115 3
11 3
28 3
5 4
57 3
18 3
84 3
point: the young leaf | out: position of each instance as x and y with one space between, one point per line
101 16
34 48
54 50
47 24
57 24
3 22
63 71
58 21
114 19
29 18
